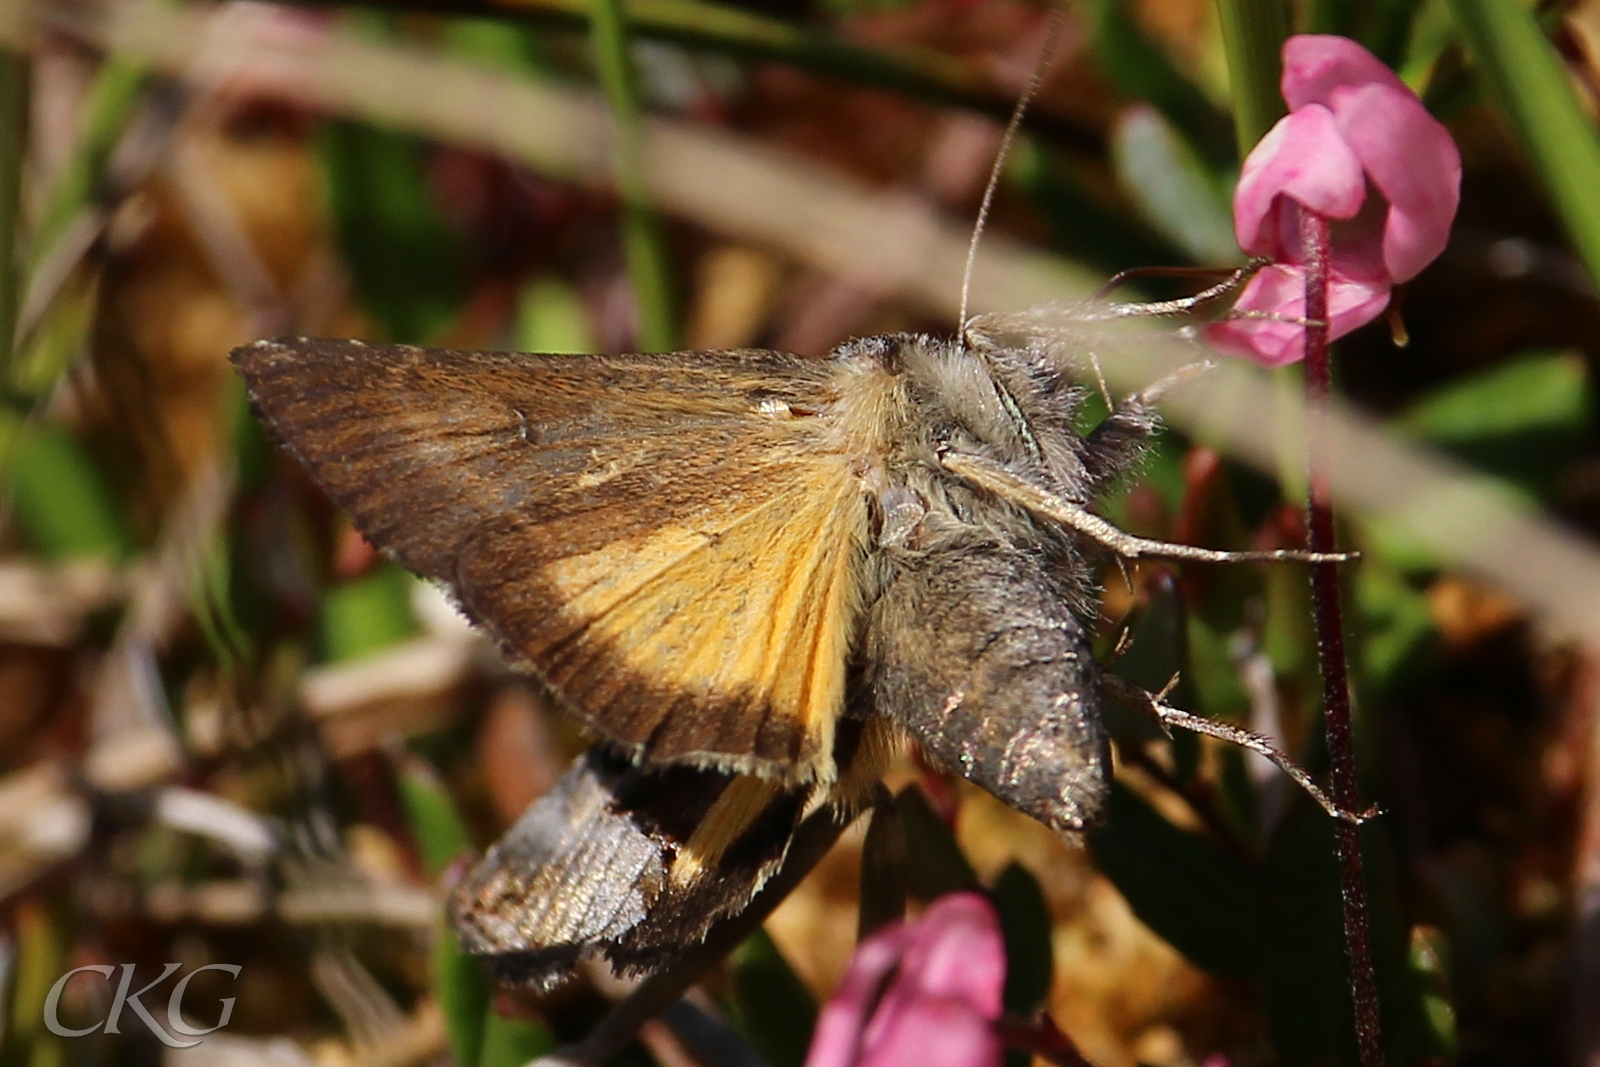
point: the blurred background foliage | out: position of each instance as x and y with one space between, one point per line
231 733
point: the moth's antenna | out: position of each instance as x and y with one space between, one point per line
1058 22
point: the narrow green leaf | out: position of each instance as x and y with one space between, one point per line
642 237
1025 925
1523 420
14 72
366 614
1530 85
935 864
1304 977
511 1042
1142 70
1253 32
746 34
1536 392
1185 887
459 982
1081 226
768 1003
1396 625
64 505
107 109
1172 188
431 812
1383 26
408 265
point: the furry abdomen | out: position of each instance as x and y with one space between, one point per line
976 652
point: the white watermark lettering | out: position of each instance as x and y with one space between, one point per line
123 999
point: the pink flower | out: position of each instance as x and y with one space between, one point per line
921 994
1359 148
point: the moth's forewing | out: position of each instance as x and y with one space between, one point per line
975 653
617 861
671 542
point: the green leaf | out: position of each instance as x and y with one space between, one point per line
15 68
1187 888
408 265
1025 926
1522 420
1536 392
64 505
1383 26
935 864
431 813
1430 969
459 983
1396 624
366 614
1082 227
1304 977
496 44
1141 69
1528 81
511 1042
1172 188
643 237
551 317
769 1004
463 993
1253 32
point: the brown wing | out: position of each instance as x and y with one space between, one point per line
672 542
593 867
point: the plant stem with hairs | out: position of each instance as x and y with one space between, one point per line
1327 607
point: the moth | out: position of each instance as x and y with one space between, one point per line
752 576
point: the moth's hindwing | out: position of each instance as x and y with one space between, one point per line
673 543
975 653
626 862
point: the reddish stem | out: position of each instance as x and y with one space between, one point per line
1330 645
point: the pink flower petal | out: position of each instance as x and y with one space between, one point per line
1409 156
948 972
1414 163
836 1041
1316 66
1305 158
958 952
1280 290
936 1032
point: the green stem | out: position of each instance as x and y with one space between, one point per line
641 226
1253 32
14 68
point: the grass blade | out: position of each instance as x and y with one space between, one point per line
1529 83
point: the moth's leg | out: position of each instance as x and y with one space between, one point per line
1169 716
1005 483
1233 281
1115 446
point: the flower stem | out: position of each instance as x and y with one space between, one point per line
1330 645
